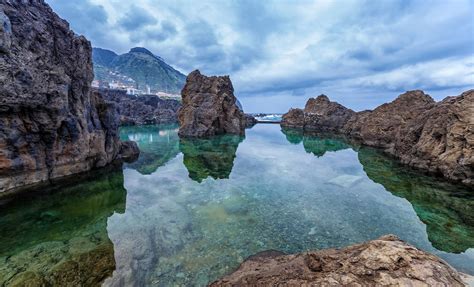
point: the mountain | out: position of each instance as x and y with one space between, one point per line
139 68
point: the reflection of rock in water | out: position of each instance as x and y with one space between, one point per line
61 239
446 209
314 143
158 145
144 238
319 146
294 136
212 157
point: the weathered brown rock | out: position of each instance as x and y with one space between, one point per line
386 261
209 107
322 115
294 118
51 125
435 137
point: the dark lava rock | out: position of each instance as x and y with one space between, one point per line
387 261
250 121
435 137
142 109
209 107
51 124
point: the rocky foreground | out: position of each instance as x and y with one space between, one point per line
51 123
437 137
386 261
209 107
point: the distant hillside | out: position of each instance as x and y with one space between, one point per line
138 68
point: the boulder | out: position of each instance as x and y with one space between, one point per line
51 124
209 107
387 261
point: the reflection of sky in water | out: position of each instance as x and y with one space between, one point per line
278 195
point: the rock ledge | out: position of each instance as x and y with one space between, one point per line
387 261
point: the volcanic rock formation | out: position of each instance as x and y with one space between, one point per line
386 261
436 137
142 109
209 107
51 124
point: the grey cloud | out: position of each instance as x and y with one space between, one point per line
137 18
362 49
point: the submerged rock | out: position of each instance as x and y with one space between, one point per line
209 107
436 137
382 262
51 124
62 237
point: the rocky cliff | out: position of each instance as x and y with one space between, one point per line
51 123
143 109
209 107
437 137
386 261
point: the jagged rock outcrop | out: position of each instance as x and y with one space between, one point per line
386 261
209 107
435 137
322 115
142 109
51 124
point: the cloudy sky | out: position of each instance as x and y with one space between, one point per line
279 53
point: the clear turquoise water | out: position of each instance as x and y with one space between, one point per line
189 211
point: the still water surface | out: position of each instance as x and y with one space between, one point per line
189 211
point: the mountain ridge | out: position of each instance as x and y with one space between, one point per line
139 69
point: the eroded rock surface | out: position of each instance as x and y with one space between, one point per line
51 124
386 261
294 118
434 136
143 109
322 115
209 107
